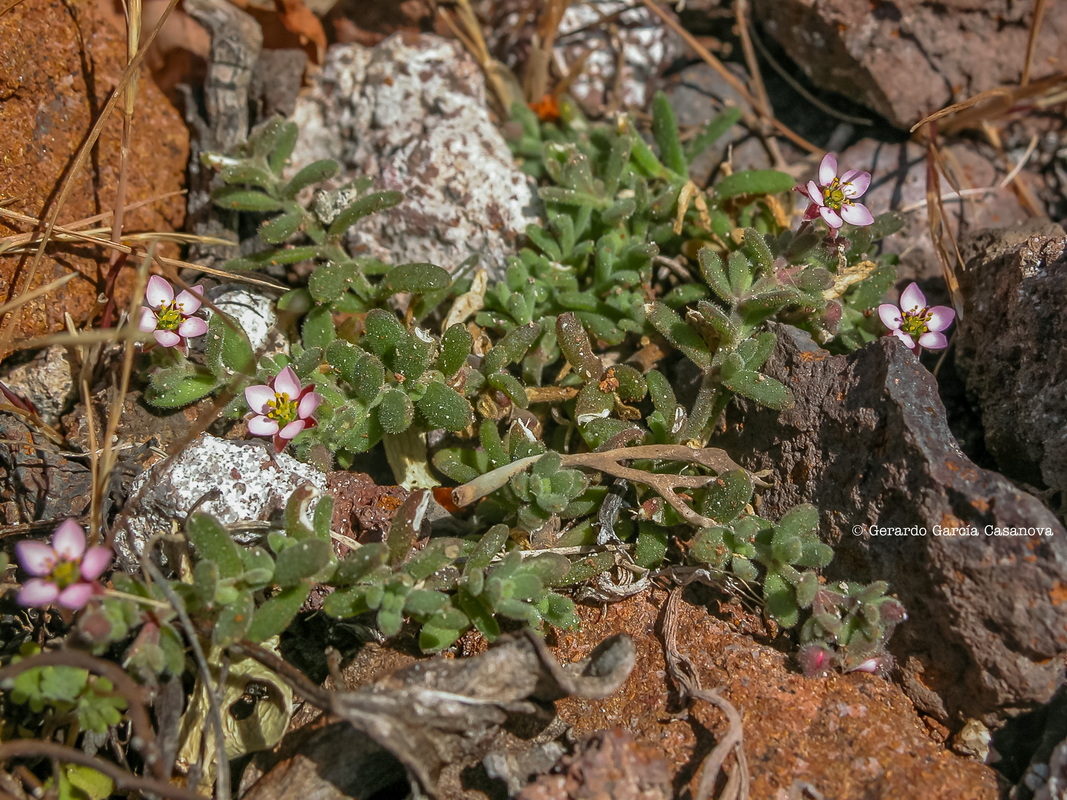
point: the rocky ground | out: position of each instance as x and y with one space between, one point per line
972 446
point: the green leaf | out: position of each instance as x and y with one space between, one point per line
491 543
781 600
367 378
248 174
177 388
799 521
329 282
424 602
728 495
233 620
415 278
479 613
576 347
434 639
228 346
282 141
680 334
281 227
345 603
716 128
395 411
383 332
213 543
511 348
456 345
754 181
275 615
237 198
302 562
652 540
665 132
315 172
318 330
444 407
760 388
362 207
360 563
711 268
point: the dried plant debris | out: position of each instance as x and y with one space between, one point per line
443 711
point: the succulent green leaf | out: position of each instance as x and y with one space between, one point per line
491 543
760 388
315 172
652 540
479 613
576 347
456 344
227 346
233 620
302 562
367 378
213 543
511 348
711 267
754 181
444 407
559 611
248 174
358 564
329 282
728 495
415 278
781 600
434 639
680 334
278 229
362 207
424 602
551 569
716 128
391 611
511 386
178 387
383 332
318 330
665 132
237 198
799 522
275 615
345 603
395 410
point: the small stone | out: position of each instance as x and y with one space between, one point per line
46 381
254 313
232 481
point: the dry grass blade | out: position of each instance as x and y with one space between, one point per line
535 77
8 6
765 109
464 25
939 229
1031 41
993 103
78 164
26 297
728 76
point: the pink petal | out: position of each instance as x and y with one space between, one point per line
167 338
292 429
36 558
831 217
147 322
158 292
262 426
76 595
856 214
940 318
933 340
190 299
890 316
827 169
308 404
857 184
37 592
286 382
912 298
908 341
192 327
69 540
95 562
257 398
814 193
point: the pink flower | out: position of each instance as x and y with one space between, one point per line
65 572
915 324
168 318
834 198
282 409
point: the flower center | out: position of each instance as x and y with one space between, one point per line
169 317
65 573
834 195
915 322
282 409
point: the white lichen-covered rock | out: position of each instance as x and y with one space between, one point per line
254 313
411 114
232 481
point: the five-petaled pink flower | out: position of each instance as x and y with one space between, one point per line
64 572
915 324
834 198
282 409
168 318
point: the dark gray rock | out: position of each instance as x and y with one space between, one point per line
1012 349
868 444
908 58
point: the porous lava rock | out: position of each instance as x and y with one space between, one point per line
1012 349
908 58
979 564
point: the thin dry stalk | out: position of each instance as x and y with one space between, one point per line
1031 41
741 14
535 77
464 25
728 76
